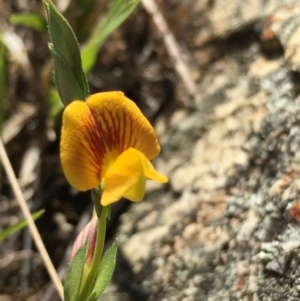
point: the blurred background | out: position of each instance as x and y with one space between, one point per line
219 81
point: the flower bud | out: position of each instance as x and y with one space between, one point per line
89 232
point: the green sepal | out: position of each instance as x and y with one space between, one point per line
74 274
105 272
66 47
115 16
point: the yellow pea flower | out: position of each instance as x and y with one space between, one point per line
107 141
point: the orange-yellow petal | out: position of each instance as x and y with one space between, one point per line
136 193
127 176
150 172
122 124
96 132
80 147
121 177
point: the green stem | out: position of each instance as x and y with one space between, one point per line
96 198
92 274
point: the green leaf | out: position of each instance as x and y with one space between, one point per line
116 15
73 278
19 225
65 81
34 21
67 55
105 272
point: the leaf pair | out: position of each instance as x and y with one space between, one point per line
75 271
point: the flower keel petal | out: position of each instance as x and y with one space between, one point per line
150 172
127 177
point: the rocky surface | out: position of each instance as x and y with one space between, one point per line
226 227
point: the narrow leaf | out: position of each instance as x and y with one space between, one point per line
66 47
19 225
115 16
34 21
66 84
74 274
105 272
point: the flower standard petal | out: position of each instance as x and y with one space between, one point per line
123 125
81 148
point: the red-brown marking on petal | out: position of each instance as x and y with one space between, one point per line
96 149
122 125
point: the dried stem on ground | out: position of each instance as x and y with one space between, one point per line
32 227
172 47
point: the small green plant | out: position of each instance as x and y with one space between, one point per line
106 147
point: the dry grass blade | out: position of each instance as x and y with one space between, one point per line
13 126
29 171
32 227
171 46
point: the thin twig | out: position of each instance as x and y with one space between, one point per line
171 46
32 227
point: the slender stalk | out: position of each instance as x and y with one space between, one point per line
32 227
96 198
92 274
